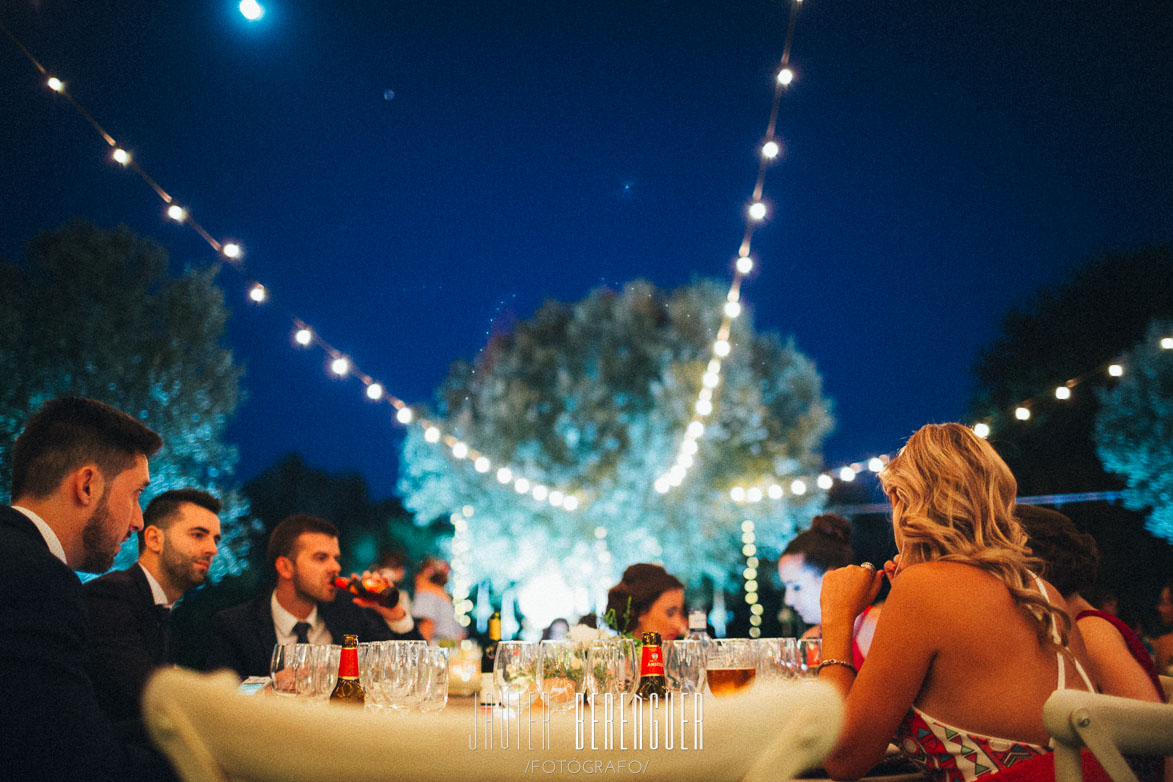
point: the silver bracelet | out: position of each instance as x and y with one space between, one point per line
844 663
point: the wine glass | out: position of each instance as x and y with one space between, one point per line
325 675
611 667
515 671
777 658
561 673
281 669
303 669
810 654
401 673
372 666
433 679
684 665
731 666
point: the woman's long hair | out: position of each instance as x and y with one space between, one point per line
953 501
631 598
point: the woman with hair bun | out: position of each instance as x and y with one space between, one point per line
971 641
648 599
825 546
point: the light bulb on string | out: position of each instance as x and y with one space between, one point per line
121 156
721 347
404 415
824 482
753 494
661 485
257 293
540 492
504 475
757 210
745 264
982 430
432 434
55 84
459 450
303 337
798 487
774 492
375 392
1062 392
176 213
786 77
231 250
1022 413
1166 343
521 486
481 464
847 475
737 494
704 407
695 429
732 309
770 150
556 498
875 464
1116 370
340 366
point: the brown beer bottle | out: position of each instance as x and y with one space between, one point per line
348 690
651 668
375 589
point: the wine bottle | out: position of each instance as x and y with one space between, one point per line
348 689
373 588
651 668
490 652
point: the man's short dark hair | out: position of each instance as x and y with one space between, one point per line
69 433
162 510
283 538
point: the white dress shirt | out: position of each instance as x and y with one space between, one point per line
283 623
54 542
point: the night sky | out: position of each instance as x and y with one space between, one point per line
408 177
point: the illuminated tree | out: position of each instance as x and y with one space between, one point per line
592 398
1134 430
96 313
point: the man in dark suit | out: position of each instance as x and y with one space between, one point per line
78 469
130 610
304 607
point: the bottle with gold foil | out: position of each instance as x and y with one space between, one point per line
348 689
651 668
490 653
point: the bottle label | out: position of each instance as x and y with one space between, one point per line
652 661
348 664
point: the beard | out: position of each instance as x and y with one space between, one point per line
100 541
181 570
313 591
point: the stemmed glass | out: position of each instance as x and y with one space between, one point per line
731 666
810 654
561 673
433 679
325 674
777 658
401 662
611 667
684 666
282 669
515 671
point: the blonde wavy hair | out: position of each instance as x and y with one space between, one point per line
953 501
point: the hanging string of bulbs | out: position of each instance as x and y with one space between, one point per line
688 450
340 365
776 487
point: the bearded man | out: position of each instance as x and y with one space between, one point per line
78 469
130 610
303 607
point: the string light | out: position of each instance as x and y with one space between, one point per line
258 295
404 415
1167 343
231 250
1062 392
1116 370
732 309
461 579
340 366
750 574
375 392
785 77
121 156
303 337
982 430
177 213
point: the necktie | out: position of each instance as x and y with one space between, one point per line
302 631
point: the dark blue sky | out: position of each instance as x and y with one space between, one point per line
405 175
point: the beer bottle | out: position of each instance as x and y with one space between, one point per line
651 668
490 652
348 690
373 588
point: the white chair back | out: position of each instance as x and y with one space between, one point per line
1108 726
212 733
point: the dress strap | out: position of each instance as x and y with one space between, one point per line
1057 638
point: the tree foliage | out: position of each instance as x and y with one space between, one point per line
97 313
1134 430
593 398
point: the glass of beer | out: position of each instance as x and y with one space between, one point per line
810 654
731 666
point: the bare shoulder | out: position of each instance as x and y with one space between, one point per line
933 581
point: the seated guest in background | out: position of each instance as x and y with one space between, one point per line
304 607
1071 561
1164 643
825 546
648 599
556 630
130 610
432 606
971 642
78 469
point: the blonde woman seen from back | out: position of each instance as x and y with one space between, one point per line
970 643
